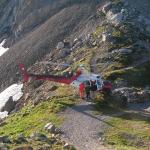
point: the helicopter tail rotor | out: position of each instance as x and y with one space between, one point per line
24 72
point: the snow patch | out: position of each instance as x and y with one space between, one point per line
14 91
2 49
3 114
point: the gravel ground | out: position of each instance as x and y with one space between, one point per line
83 129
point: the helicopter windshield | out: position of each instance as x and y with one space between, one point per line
99 83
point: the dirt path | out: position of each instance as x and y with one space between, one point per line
83 129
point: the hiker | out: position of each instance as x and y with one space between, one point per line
82 90
70 73
87 89
93 88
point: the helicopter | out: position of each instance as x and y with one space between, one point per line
74 79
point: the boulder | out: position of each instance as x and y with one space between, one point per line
122 51
125 51
9 106
60 45
147 110
67 146
115 19
21 139
107 37
50 128
106 7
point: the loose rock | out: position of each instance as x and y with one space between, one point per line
115 19
50 128
39 137
4 139
21 139
60 45
107 37
9 106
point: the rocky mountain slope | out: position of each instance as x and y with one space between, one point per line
33 28
107 37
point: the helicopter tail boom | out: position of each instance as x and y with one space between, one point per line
59 79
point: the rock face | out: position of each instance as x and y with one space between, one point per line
115 19
33 29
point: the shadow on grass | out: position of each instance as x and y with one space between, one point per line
135 117
107 108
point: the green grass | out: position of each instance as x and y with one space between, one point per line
137 77
83 56
130 132
99 31
31 119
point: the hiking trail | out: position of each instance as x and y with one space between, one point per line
83 128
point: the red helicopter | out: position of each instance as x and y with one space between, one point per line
81 76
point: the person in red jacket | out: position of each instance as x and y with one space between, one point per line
82 90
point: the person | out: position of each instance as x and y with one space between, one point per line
93 88
70 73
87 90
82 90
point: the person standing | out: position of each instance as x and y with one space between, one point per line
87 90
93 89
82 90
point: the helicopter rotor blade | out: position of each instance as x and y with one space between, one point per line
52 63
